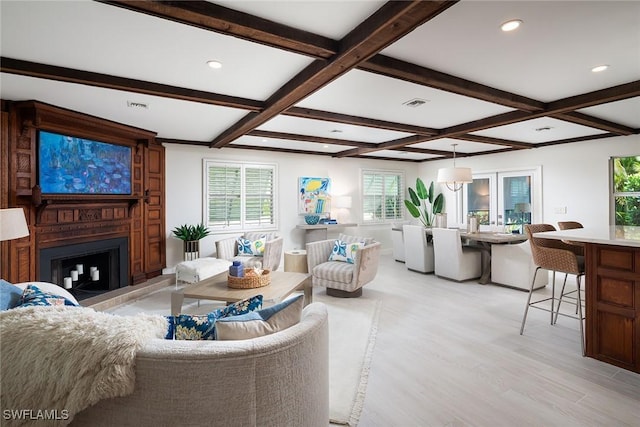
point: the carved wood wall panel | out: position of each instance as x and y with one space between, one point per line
56 220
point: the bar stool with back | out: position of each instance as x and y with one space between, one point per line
557 256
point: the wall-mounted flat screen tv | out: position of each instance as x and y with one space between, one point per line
70 165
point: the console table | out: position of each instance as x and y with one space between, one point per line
612 292
313 233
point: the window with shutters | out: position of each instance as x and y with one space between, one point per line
382 195
240 196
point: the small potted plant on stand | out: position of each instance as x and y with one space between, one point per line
191 236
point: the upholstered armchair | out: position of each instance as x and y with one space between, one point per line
342 278
270 258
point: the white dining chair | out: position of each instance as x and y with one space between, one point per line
513 266
452 260
418 253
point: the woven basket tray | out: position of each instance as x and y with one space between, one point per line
250 280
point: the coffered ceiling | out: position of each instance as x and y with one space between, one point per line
396 80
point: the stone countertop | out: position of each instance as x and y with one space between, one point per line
612 235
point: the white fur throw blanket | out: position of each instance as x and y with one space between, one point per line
57 361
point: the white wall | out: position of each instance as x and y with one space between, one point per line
575 176
184 191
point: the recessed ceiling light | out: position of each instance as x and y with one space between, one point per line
336 131
510 25
325 146
544 128
214 64
599 68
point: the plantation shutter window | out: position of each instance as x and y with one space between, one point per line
382 195
239 196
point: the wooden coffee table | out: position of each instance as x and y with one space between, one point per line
215 288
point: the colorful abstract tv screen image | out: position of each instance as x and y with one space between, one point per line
70 165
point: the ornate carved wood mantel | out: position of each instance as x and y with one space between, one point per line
58 220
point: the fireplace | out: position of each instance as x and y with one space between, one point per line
87 269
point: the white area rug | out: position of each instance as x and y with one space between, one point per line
353 324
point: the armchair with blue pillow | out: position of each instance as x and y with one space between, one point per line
343 265
252 248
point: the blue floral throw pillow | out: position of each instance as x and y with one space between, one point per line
345 252
251 247
202 327
33 296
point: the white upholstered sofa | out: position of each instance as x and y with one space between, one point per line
276 380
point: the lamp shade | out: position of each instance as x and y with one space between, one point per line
13 224
454 175
342 202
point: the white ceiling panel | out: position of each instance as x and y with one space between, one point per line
371 95
289 145
625 112
329 18
445 144
544 129
324 129
111 40
548 58
170 118
400 155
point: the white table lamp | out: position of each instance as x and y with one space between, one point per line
13 224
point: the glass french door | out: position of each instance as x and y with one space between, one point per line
504 201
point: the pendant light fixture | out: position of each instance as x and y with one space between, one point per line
454 178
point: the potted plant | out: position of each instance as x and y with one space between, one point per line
191 235
424 204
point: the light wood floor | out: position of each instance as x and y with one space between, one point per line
450 354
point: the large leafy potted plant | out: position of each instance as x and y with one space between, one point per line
191 236
424 203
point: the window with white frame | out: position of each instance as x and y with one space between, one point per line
625 200
382 195
239 195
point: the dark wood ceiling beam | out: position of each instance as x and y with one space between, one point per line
213 17
594 122
423 151
494 141
309 138
395 68
577 139
612 94
69 75
307 113
388 24
389 145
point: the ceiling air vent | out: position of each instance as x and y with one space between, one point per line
137 105
415 102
